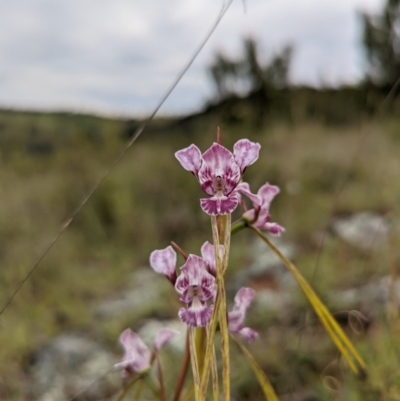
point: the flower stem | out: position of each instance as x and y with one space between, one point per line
184 369
238 226
195 365
222 236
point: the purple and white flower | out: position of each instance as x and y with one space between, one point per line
236 317
196 286
219 172
137 356
259 216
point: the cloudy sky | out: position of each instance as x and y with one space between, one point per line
120 56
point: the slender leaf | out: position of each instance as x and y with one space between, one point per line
266 386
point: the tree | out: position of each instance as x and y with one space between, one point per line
248 73
381 39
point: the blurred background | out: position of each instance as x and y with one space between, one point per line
313 82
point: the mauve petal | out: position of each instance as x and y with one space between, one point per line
248 334
208 254
208 187
137 354
207 288
274 229
229 204
244 189
163 261
211 206
267 193
220 205
194 269
190 158
218 162
182 285
249 215
235 320
243 298
163 336
216 159
245 153
196 317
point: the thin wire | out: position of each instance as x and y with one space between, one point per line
91 384
138 132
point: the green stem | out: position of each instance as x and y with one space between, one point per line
238 226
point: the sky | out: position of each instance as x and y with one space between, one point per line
120 56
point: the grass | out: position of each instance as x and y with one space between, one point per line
149 200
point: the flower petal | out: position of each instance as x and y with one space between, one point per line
137 354
190 158
220 205
243 298
248 334
267 193
163 336
244 189
196 317
163 261
194 269
195 280
218 172
208 254
235 320
274 229
245 153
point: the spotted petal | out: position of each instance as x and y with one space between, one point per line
245 153
190 158
163 261
220 205
194 273
196 317
218 162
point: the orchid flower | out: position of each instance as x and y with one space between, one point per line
196 283
219 172
137 357
196 286
259 216
236 317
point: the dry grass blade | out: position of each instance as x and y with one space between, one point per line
223 321
336 333
266 386
214 374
